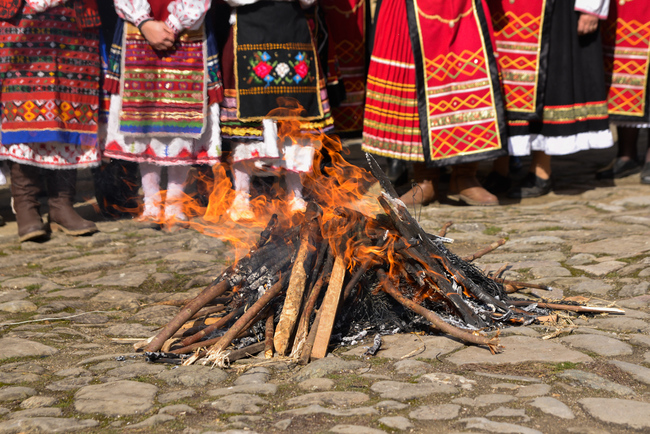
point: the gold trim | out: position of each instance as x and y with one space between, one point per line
451 22
575 112
269 46
278 89
346 13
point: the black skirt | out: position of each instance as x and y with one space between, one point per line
575 100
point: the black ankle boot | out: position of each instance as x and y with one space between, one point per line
531 186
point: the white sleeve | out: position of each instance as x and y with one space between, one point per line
43 5
235 3
185 14
600 8
133 11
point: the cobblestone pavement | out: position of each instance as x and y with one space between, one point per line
591 375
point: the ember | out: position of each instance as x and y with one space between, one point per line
338 271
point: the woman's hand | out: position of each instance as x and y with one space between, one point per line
587 23
158 35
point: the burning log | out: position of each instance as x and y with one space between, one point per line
303 324
249 315
297 282
492 344
368 263
214 290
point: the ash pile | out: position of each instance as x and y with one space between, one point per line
332 275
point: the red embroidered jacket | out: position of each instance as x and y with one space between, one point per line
85 11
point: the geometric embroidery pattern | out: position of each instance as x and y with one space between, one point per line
626 47
50 78
462 117
518 36
464 140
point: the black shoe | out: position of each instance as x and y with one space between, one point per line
618 168
496 183
396 169
645 173
531 186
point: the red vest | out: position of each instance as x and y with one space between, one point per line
159 9
85 11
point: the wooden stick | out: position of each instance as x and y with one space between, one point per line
329 307
268 336
197 324
183 302
569 307
492 344
303 323
244 332
523 284
250 314
296 288
443 230
302 332
215 326
501 269
207 311
248 351
309 343
206 343
212 291
485 251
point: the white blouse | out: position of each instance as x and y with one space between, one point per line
600 8
42 5
234 3
183 14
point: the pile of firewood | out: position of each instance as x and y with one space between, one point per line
307 276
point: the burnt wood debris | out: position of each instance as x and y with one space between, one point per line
312 282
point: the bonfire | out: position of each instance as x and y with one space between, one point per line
353 264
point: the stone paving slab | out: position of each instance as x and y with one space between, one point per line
71 309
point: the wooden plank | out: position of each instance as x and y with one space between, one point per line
328 309
293 300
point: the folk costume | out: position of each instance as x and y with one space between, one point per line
347 25
522 34
50 69
271 76
433 92
574 114
626 46
164 107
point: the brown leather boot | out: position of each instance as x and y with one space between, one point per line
25 187
61 186
464 187
424 190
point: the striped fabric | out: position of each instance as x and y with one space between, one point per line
433 92
50 78
163 95
391 126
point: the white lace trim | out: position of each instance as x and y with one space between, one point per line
520 146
